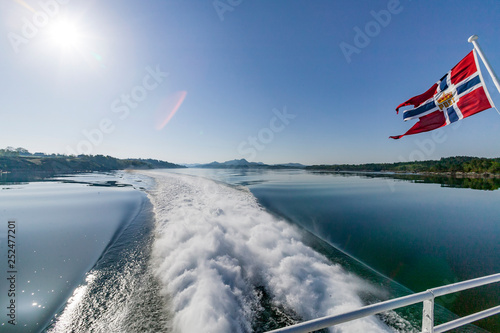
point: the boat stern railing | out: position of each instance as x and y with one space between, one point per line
427 297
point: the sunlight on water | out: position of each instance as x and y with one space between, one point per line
62 230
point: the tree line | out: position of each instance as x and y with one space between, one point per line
452 165
21 161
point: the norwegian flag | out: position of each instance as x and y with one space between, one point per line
459 94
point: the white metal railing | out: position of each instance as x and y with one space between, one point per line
427 297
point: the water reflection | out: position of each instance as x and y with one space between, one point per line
458 181
247 178
23 177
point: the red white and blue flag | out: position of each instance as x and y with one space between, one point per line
459 94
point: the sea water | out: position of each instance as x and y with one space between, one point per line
417 233
202 255
61 230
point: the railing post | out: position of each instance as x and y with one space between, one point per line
428 316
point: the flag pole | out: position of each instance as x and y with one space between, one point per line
473 39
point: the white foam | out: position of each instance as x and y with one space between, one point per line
214 244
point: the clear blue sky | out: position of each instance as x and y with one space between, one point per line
230 63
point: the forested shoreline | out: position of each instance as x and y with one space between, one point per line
457 165
19 160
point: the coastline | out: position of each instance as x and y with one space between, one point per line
485 175
449 174
52 165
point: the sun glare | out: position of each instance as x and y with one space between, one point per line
65 34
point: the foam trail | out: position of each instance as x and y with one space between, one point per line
214 245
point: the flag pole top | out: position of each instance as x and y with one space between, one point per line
472 38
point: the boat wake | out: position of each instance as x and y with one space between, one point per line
227 265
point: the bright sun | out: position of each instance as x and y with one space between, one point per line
65 34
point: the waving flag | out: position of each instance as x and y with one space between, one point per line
459 94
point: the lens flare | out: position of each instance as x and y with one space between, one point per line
25 5
168 108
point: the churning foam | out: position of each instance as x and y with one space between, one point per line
214 245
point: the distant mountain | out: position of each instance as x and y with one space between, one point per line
231 164
292 165
190 165
237 162
244 164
